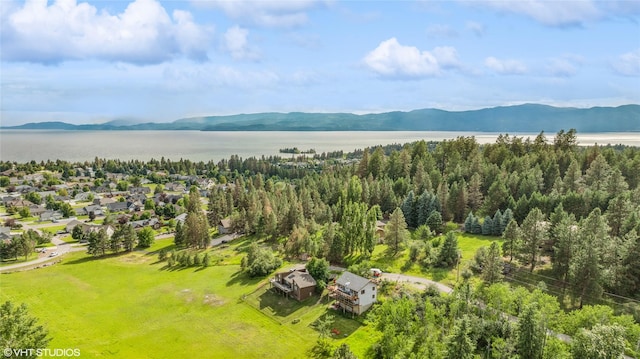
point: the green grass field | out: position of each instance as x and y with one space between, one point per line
468 244
131 306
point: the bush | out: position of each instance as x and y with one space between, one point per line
260 261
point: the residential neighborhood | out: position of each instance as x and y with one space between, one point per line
47 200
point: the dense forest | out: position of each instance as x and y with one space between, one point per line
552 201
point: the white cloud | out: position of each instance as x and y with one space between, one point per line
628 64
393 60
565 66
282 13
236 42
441 31
505 67
477 28
66 30
552 13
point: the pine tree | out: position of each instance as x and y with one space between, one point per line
448 255
178 239
395 231
585 269
493 265
487 226
496 229
435 222
459 343
511 237
533 233
530 333
468 223
408 210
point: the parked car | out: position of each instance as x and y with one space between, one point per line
53 254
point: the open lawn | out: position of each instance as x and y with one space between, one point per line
131 306
468 244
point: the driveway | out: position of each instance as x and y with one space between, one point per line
224 239
421 283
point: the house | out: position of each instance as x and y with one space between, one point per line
82 196
103 201
118 206
72 224
5 233
224 226
36 210
50 216
181 218
297 284
139 190
87 210
353 293
88 228
380 229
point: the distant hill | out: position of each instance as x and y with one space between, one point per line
521 118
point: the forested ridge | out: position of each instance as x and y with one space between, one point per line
552 201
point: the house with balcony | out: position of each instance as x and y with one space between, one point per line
296 284
353 293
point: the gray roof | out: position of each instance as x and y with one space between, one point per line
352 281
302 279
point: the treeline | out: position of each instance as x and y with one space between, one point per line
330 210
495 322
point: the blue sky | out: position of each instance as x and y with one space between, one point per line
149 60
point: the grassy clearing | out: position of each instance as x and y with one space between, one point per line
303 317
129 306
125 306
468 244
20 259
68 239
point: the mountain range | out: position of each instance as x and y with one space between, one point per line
519 118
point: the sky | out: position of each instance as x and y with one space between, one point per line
158 61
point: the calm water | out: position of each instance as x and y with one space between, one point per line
24 146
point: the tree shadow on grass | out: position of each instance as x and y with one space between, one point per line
241 277
437 274
280 305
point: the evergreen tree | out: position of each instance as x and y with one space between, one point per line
533 233
343 352
530 333
585 269
129 237
631 267
493 265
435 222
487 226
408 210
496 228
459 343
448 255
98 243
178 239
20 331
511 237
468 223
395 231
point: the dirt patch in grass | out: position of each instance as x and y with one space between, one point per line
187 295
212 300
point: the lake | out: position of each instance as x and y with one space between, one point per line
27 145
